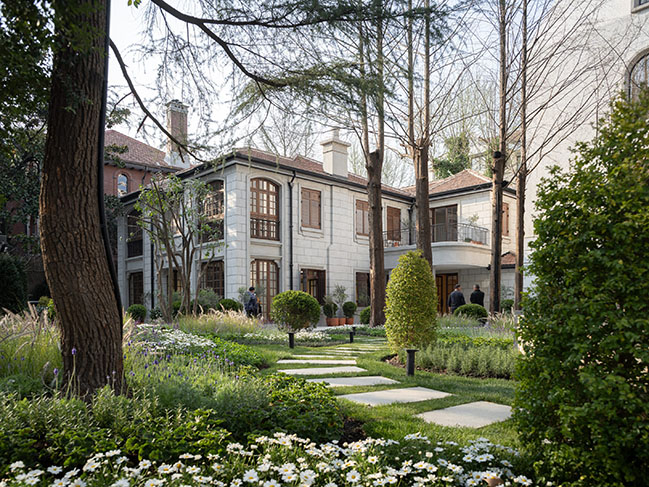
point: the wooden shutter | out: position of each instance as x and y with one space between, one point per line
394 224
362 217
311 208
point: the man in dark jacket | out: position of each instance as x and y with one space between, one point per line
477 296
456 298
252 304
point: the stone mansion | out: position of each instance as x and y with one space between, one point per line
298 223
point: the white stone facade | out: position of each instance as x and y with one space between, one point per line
335 247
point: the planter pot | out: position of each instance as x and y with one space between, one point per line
341 321
349 321
332 321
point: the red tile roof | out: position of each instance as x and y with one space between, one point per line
306 164
464 179
138 152
508 258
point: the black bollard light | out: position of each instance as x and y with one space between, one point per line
291 339
410 363
354 329
351 337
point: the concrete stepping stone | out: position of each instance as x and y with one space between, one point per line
470 415
317 362
370 380
322 370
390 396
325 357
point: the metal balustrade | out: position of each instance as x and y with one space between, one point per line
441 232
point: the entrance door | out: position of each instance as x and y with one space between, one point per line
445 285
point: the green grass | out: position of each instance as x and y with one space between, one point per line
396 420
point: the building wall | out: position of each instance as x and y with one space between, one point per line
136 178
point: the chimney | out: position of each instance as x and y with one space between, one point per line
334 155
177 126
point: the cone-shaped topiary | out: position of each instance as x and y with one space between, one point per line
295 310
411 303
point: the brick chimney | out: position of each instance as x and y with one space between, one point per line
177 126
334 155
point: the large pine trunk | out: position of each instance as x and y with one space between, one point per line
377 265
74 255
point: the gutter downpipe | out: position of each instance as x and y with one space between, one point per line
410 208
290 230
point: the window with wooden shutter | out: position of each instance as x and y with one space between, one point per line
394 224
505 219
311 201
362 218
214 277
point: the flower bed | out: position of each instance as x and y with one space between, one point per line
290 460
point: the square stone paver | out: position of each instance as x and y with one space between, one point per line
471 415
317 362
411 394
322 370
370 380
324 357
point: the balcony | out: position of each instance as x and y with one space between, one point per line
455 246
441 232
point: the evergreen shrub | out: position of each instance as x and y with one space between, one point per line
349 308
582 405
228 304
295 310
411 303
14 283
472 311
365 316
137 312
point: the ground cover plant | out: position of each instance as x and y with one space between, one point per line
583 401
289 460
464 358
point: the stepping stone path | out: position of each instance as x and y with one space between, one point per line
390 396
471 415
318 362
322 370
370 380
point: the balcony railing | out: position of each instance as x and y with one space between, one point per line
264 229
441 232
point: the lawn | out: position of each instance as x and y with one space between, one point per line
395 421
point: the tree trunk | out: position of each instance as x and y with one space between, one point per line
74 256
522 173
499 171
377 265
424 237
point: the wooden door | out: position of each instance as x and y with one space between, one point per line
445 285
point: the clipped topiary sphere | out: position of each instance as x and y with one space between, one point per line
506 305
295 310
137 312
472 311
411 303
349 308
228 304
365 316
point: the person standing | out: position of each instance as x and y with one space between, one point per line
456 299
477 296
252 303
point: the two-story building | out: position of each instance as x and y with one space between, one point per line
298 223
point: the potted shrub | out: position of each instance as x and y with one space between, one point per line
349 308
329 310
365 316
339 296
295 310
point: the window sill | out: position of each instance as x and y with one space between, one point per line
639 8
312 232
263 241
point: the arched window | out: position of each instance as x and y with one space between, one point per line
264 209
639 76
122 184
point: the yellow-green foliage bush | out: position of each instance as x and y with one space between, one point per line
411 303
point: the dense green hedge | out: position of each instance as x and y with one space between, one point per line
411 303
475 341
582 407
